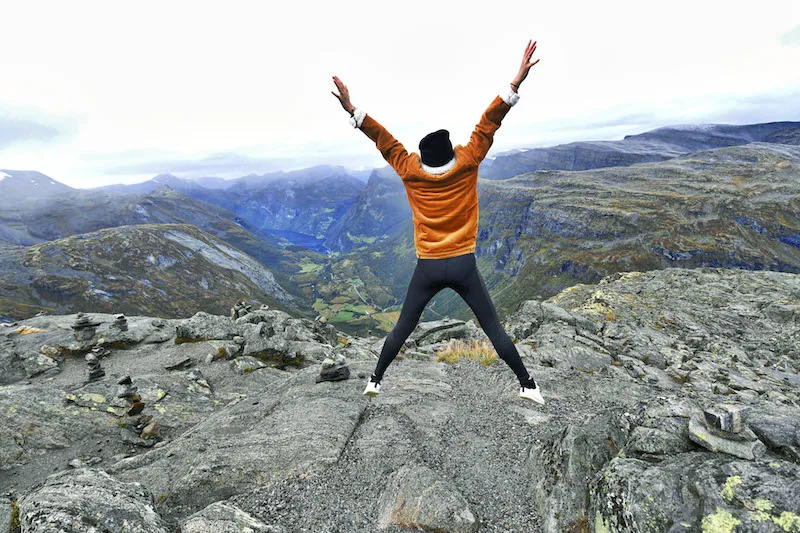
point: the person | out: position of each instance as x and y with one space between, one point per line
441 185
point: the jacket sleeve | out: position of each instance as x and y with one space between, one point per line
392 151
481 139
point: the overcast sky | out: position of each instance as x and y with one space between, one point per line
93 93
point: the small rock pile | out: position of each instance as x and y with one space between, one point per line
120 323
129 392
143 431
94 370
197 376
334 369
84 327
240 309
722 429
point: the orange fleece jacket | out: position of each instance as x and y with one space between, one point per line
444 207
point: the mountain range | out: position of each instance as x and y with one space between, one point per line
648 147
343 248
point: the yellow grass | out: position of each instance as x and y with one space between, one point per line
458 349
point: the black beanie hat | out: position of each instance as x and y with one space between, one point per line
436 148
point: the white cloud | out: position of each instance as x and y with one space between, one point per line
181 81
791 37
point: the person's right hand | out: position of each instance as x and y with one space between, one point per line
526 64
343 96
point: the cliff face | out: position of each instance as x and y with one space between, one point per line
380 211
300 206
671 399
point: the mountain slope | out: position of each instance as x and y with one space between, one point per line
19 185
380 210
299 206
736 207
161 269
81 212
186 186
652 146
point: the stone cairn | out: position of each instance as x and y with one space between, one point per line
94 370
143 430
334 369
722 429
320 324
121 323
240 309
84 327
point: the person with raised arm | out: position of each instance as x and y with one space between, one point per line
441 183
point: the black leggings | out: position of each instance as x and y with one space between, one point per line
461 274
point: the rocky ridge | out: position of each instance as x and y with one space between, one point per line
259 426
648 147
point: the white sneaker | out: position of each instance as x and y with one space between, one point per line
531 391
373 387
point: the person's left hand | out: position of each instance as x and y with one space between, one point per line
343 96
526 63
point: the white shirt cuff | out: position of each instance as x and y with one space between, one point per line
509 97
358 118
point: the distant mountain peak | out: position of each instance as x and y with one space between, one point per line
164 190
16 185
167 177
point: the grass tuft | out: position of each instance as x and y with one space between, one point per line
457 349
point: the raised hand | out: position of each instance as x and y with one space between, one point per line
526 64
343 96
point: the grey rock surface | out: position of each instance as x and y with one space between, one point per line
417 498
629 368
93 500
5 515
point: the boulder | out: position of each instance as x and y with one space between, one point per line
562 466
92 498
204 326
418 498
223 517
779 429
695 491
